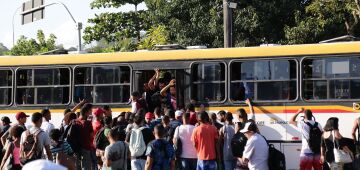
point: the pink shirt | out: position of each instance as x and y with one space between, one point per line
16 155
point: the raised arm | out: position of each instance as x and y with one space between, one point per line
293 118
252 112
78 106
163 91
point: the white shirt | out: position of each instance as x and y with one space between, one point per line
44 139
47 127
133 107
257 152
185 132
304 130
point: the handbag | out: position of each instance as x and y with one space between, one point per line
340 155
178 144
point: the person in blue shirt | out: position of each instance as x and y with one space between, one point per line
160 153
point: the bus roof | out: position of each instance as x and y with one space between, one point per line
215 53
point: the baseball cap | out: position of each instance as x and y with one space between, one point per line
98 112
20 115
178 113
249 126
149 115
42 164
6 119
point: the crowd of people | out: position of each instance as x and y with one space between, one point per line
156 135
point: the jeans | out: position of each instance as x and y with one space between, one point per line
309 161
229 164
138 164
187 163
87 162
206 165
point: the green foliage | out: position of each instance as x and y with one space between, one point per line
25 46
3 49
113 3
155 36
323 20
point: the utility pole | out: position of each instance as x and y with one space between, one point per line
227 12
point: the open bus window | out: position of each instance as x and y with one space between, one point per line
102 84
208 82
331 78
263 80
5 87
41 86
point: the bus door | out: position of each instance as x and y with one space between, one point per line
142 78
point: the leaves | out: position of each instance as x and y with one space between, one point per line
25 46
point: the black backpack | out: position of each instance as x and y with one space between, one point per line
72 136
314 137
276 159
238 143
101 141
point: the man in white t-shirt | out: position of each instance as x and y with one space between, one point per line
188 157
46 126
308 158
42 137
256 152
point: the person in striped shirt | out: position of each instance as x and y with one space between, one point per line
57 145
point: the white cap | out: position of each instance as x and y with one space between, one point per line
249 126
178 113
42 164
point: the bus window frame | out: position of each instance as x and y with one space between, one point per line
225 81
267 101
325 79
42 86
93 85
12 86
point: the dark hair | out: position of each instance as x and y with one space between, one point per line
222 112
332 124
16 131
67 110
229 117
203 117
113 133
135 94
166 119
213 117
35 117
70 116
86 108
107 120
308 114
106 107
55 134
186 115
159 130
190 107
138 119
157 111
242 114
170 113
45 112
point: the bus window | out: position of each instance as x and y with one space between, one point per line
335 78
41 86
5 87
208 82
102 84
263 80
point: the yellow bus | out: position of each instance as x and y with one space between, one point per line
279 79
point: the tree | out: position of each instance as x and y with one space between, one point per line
25 46
155 36
120 27
3 49
200 22
323 20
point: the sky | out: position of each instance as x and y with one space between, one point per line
56 20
